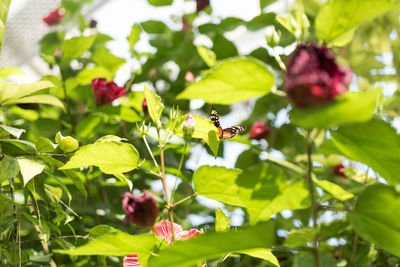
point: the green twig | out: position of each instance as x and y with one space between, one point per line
314 204
179 169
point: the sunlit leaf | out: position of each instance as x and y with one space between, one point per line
212 245
11 130
29 168
217 183
334 189
375 217
347 108
261 253
77 46
111 157
154 105
230 81
338 19
374 143
222 222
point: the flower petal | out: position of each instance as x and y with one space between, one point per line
131 260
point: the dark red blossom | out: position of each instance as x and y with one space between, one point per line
313 77
202 4
54 17
337 169
141 210
105 92
259 130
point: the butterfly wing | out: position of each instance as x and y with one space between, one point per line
231 132
214 117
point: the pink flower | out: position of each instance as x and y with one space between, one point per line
188 125
153 71
313 77
164 231
259 130
141 210
54 17
131 260
144 107
337 169
105 92
189 77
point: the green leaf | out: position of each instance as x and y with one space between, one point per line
373 143
207 55
265 3
347 108
115 244
101 230
217 183
44 145
265 190
29 168
86 128
76 46
334 189
4 6
9 168
8 71
230 81
133 37
154 26
154 105
69 144
12 91
103 57
212 245
86 75
160 2
375 217
222 222
338 19
261 253
13 146
111 157
39 99
300 237
203 129
11 130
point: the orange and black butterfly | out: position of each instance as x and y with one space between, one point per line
227 132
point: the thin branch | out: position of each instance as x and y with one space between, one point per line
179 169
150 171
65 205
164 182
314 204
354 250
151 153
183 200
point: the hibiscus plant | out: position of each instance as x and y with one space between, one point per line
148 171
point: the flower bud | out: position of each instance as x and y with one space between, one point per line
272 36
141 210
313 77
337 169
145 109
189 77
188 125
152 71
259 130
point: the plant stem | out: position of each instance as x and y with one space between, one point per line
65 205
150 171
151 153
314 204
67 100
354 250
179 169
183 200
167 199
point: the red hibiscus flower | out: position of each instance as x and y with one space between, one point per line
259 130
313 77
54 17
105 92
131 260
337 169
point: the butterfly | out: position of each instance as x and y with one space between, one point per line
226 133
